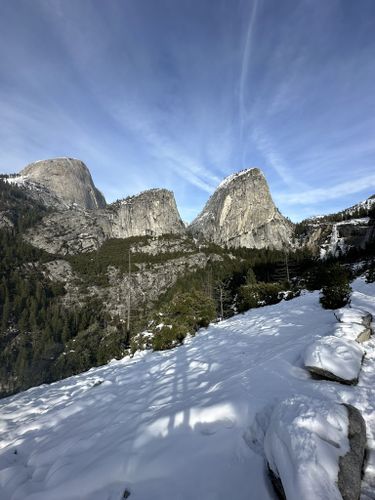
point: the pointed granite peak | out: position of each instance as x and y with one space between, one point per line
241 213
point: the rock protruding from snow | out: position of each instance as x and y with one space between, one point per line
303 445
241 212
351 464
355 324
334 358
354 315
66 178
352 331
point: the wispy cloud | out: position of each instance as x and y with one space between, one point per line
337 191
180 94
273 158
244 73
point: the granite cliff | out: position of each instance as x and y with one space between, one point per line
241 212
337 234
151 213
66 179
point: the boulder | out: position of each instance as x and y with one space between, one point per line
352 331
315 449
354 315
351 464
303 445
334 358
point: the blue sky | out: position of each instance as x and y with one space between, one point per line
181 93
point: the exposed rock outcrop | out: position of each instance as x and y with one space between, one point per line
336 234
66 178
351 464
146 285
241 212
151 213
305 445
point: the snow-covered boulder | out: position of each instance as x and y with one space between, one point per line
310 447
352 331
335 358
355 324
354 315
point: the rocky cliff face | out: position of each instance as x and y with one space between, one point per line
335 234
241 213
68 179
151 213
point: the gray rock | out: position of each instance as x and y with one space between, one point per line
351 464
354 315
66 178
241 213
352 331
153 212
68 232
320 374
364 336
336 234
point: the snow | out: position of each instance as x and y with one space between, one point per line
18 180
354 222
348 330
303 444
234 176
183 424
339 356
351 315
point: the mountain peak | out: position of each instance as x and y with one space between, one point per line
253 171
241 212
67 178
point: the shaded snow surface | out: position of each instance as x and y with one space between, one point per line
179 425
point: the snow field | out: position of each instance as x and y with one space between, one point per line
184 424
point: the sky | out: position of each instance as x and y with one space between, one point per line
181 93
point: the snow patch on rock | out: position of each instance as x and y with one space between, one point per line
339 357
303 445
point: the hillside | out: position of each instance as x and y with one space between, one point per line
187 423
80 279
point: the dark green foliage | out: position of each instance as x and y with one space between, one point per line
185 313
92 267
370 274
259 294
336 289
168 337
19 208
37 333
250 277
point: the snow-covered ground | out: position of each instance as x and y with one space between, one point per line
179 425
